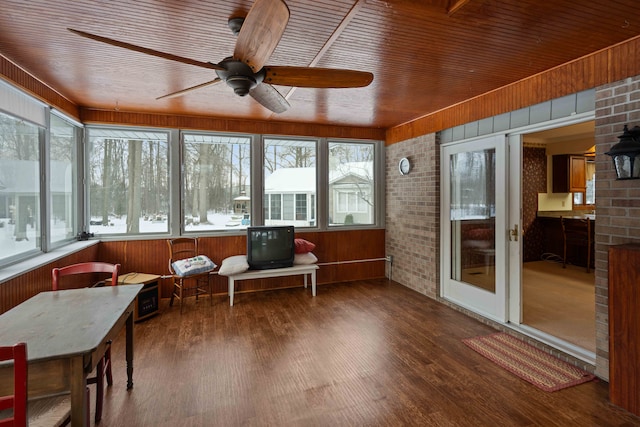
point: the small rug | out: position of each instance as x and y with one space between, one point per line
541 369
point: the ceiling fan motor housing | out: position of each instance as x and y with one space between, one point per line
235 24
239 76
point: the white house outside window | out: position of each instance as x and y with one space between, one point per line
19 187
352 201
301 207
274 207
351 183
290 173
288 207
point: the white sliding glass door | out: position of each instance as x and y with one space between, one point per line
474 207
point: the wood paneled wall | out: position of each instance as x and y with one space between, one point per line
23 287
624 326
16 75
111 117
151 256
608 65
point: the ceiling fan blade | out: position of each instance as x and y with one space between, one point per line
260 33
270 98
147 51
190 89
316 77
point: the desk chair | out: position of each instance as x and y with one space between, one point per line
15 410
576 232
104 365
183 248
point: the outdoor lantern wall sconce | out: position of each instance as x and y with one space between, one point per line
625 153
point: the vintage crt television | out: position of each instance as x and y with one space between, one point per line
270 247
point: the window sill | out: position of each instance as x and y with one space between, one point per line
22 267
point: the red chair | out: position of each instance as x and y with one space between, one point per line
104 365
48 411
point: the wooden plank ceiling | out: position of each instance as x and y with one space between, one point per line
425 54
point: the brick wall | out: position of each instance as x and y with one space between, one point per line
413 210
413 214
617 202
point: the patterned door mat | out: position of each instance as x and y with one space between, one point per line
541 369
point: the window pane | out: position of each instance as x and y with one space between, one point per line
301 207
312 205
343 206
473 222
19 187
351 183
63 184
216 181
287 206
128 181
275 206
290 173
473 185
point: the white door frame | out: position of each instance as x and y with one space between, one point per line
515 138
492 305
512 265
514 226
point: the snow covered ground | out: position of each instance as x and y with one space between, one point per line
216 221
9 246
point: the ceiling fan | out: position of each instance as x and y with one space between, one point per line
258 35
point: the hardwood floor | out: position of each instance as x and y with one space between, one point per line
560 301
368 353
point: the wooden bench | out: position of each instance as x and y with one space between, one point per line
275 272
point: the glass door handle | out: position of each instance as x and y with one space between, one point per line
513 233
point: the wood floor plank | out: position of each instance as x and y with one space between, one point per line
560 301
367 353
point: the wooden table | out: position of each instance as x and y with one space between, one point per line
66 334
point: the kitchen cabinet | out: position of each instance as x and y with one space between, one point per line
553 242
569 173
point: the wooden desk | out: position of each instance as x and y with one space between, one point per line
66 334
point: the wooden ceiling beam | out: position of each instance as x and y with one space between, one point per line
334 36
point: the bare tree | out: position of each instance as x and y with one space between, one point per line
150 167
107 164
134 165
204 168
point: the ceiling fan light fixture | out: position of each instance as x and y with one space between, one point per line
239 76
241 85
